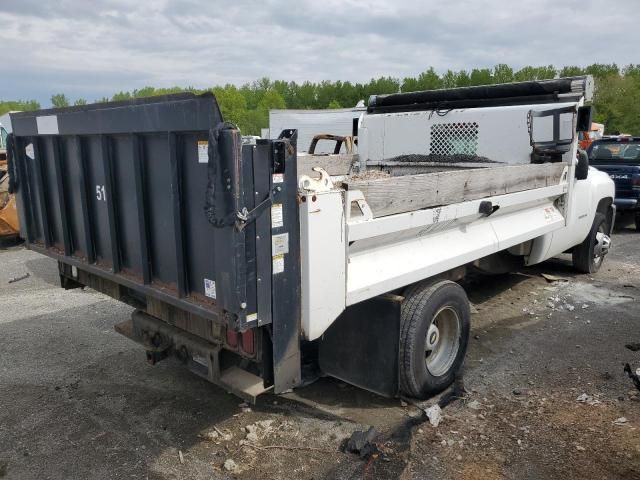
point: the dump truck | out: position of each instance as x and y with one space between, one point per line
261 268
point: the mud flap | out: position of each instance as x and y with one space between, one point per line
361 346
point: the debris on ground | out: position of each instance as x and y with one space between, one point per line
434 414
216 435
620 421
588 399
553 278
181 456
231 466
258 430
18 278
635 377
474 405
362 444
634 347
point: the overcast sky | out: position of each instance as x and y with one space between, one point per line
94 48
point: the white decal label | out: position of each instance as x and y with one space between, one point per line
279 244
278 264
203 151
47 125
29 151
101 194
252 317
210 288
276 216
278 178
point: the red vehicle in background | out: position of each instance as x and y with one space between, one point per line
585 139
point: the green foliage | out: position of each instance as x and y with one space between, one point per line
80 101
18 106
59 100
232 103
617 101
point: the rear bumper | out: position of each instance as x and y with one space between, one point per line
203 358
623 204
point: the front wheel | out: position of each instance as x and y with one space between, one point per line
434 332
589 255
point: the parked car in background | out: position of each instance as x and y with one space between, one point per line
619 156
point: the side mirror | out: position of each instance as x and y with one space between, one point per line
582 167
583 122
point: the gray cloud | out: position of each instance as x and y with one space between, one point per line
92 49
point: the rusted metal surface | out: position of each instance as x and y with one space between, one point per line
203 358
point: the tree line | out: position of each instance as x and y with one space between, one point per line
617 99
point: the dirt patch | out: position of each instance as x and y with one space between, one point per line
536 435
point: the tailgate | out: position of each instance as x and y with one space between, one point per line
154 195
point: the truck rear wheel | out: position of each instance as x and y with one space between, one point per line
589 255
434 332
637 222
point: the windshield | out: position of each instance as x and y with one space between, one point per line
615 152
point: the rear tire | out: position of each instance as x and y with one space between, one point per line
434 332
637 222
586 258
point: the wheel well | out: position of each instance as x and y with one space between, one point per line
604 207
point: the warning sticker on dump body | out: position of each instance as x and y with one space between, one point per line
210 288
279 244
203 151
549 214
252 317
276 216
277 178
278 264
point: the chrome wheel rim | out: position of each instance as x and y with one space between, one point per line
601 247
442 341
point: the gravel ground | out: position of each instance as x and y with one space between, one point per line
78 401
